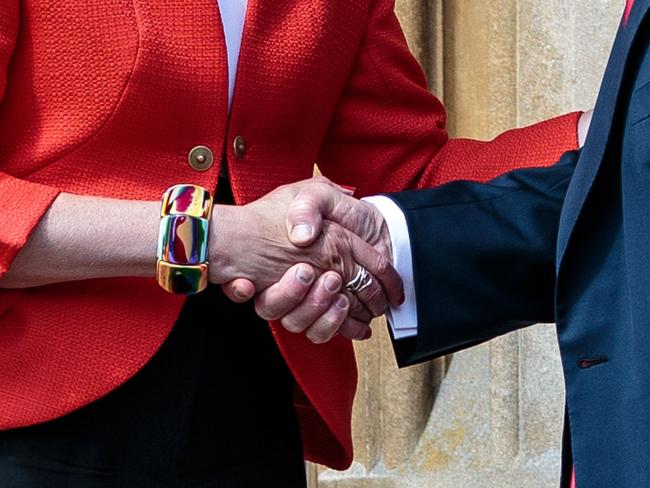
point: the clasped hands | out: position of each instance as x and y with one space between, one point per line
297 247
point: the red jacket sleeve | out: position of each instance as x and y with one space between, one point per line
388 133
22 203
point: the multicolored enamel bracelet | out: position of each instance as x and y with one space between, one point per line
183 239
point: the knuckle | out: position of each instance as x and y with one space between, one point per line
325 329
374 300
329 284
318 337
332 321
373 293
316 305
292 325
289 295
302 204
300 201
359 311
265 311
382 264
356 307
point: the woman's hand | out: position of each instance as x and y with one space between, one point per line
302 302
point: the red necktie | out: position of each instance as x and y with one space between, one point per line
628 9
573 475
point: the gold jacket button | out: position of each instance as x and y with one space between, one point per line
201 158
239 147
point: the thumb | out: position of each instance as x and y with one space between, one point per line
239 290
305 214
316 202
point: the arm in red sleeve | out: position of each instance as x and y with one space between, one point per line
22 203
388 133
540 144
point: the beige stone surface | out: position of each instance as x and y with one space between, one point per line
490 416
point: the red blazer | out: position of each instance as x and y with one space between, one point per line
107 98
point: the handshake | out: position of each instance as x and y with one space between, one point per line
314 257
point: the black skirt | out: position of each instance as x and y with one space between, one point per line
213 408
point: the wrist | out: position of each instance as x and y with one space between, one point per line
385 245
225 242
138 256
382 241
183 240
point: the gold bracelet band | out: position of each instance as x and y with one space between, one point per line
183 239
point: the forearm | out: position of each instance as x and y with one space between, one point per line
484 256
85 237
534 146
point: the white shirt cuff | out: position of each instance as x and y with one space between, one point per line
403 320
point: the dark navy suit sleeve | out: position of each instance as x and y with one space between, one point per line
483 257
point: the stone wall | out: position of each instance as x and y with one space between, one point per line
490 416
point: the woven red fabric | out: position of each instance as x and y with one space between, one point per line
107 98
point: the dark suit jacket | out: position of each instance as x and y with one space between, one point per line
570 244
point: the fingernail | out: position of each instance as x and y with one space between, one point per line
332 283
305 274
301 232
239 293
402 299
342 303
367 335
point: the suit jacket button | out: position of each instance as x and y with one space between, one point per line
201 158
239 147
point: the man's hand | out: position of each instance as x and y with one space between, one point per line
252 242
303 305
314 307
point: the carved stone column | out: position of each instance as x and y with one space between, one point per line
490 416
